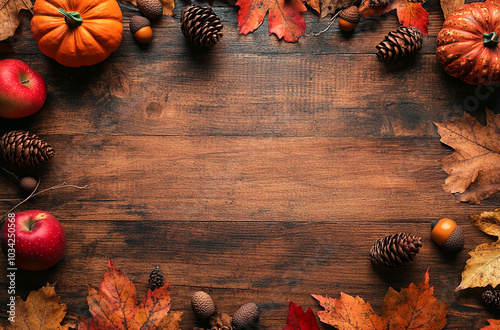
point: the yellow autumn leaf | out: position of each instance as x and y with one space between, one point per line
41 310
9 16
483 267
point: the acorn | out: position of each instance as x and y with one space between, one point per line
28 184
349 18
447 234
203 305
140 27
246 316
152 9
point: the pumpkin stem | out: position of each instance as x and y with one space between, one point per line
73 19
490 39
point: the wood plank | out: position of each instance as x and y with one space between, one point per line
269 263
249 179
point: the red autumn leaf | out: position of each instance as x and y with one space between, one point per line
285 17
298 320
114 306
411 308
409 13
494 325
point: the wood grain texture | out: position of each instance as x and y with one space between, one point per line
256 170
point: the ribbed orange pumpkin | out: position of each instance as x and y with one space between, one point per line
467 46
77 32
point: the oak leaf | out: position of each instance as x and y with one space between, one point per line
483 268
331 6
449 6
285 17
474 168
9 16
494 325
168 6
298 320
41 310
411 308
114 306
409 13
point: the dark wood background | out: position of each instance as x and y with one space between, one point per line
256 170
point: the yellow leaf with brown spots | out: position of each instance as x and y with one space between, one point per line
41 310
483 267
9 16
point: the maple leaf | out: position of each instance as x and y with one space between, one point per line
168 6
482 267
449 6
474 168
9 16
411 308
409 13
114 306
494 325
298 320
41 310
285 17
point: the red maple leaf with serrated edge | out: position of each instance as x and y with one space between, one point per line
409 13
298 320
285 17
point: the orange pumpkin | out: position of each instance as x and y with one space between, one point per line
77 32
467 46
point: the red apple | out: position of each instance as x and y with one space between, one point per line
22 89
37 238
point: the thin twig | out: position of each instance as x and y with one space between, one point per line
33 194
29 8
9 172
329 25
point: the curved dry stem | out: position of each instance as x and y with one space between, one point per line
34 193
334 17
9 172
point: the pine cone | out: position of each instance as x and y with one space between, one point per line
403 42
395 250
25 149
201 25
492 299
378 3
156 278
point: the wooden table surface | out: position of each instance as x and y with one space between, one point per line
258 170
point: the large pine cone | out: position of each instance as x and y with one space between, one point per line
397 44
25 149
395 250
492 299
201 25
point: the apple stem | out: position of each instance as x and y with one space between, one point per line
33 194
25 81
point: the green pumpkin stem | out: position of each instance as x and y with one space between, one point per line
73 19
490 39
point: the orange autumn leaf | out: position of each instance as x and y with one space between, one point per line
114 306
474 168
285 17
494 325
41 310
409 13
412 308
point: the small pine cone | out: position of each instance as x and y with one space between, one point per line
397 44
25 149
395 250
156 278
492 299
378 3
201 25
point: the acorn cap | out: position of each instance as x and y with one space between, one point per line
138 22
246 316
350 14
456 241
152 9
203 305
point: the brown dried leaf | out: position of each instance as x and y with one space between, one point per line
474 168
449 6
9 16
168 6
41 310
331 6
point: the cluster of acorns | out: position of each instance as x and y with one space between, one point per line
140 26
246 317
399 249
